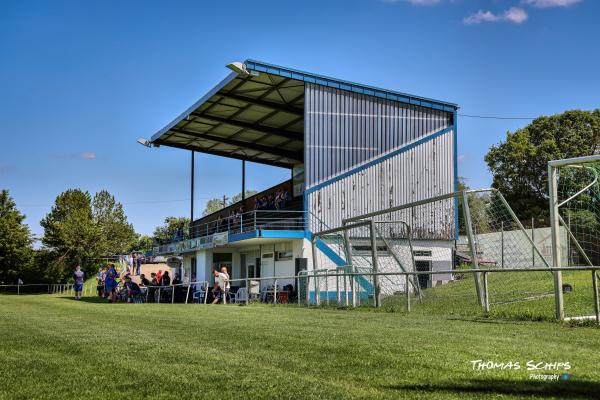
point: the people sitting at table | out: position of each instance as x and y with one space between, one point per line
153 287
166 279
144 281
132 289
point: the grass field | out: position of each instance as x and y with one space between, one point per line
513 295
55 347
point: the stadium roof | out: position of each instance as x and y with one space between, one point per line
257 114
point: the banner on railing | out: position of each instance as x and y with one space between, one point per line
220 239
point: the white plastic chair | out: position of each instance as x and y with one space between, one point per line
199 295
240 295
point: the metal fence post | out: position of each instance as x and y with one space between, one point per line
472 244
314 264
275 292
554 226
247 288
596 305
326 287
532 242
205 292
486 294
317 289
377 288
407 293
349 268
502 244
337 286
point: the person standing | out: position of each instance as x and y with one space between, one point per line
130 263
227 286
78 277
111 282
100 282
138 264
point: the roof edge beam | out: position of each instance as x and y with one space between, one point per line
224 154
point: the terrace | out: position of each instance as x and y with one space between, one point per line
274 209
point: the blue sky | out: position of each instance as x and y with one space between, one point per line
81 81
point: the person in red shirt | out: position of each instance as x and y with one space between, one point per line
159 276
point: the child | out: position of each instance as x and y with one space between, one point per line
78 276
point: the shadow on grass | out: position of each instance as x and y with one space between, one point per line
96 300
561 389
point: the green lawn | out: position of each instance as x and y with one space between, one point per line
513 295
55 347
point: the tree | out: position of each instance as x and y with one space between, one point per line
212 206
70 234
15 241
117 235
173 227
519 165
238 197
216 204
142 243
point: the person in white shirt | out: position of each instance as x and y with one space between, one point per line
227 284
221 282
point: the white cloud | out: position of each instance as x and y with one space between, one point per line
550 3
88 155
481 16
415 2
514 14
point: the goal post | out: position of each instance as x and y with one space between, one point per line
573 188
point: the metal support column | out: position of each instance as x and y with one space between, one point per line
243 180
192 192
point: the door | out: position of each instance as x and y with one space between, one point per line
243 267
423 278
221 260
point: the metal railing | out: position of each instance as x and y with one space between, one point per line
208 234
311 282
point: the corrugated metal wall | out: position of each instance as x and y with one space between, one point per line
345 129
421 172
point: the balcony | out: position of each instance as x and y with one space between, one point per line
272 210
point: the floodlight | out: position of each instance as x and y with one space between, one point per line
144 142
239 68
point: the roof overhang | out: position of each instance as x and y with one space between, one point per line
257 114
250 116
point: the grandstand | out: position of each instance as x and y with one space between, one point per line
351 149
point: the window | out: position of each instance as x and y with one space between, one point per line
284 255
422 253
267 255
366 249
